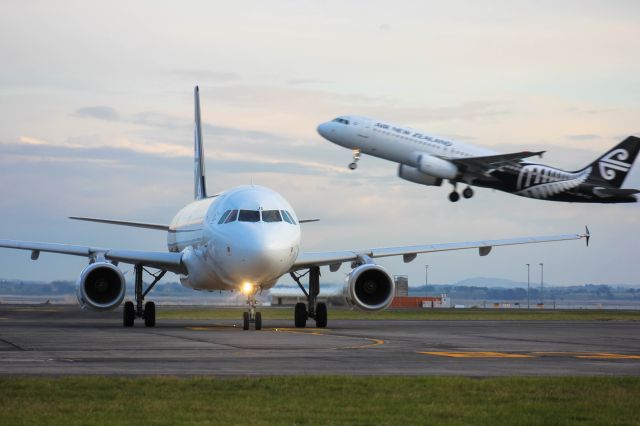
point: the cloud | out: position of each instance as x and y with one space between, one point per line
32 141
98 112
585 137
201 76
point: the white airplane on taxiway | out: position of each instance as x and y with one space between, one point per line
243 239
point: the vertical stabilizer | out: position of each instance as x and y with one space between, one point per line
613 166
200 184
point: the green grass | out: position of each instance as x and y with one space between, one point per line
414 314
320 400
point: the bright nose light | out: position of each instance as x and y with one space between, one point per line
247 288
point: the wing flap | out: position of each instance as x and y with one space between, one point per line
483 164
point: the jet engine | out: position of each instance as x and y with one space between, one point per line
369 287
437 167
101 286
416 176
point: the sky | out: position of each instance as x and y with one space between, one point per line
96 119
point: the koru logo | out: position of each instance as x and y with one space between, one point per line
614 161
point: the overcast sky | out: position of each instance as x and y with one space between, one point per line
96 117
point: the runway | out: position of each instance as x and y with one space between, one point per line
63 340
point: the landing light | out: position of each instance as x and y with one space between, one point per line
247 288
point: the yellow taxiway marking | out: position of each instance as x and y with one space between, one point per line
4 318
477 354
376 342
607 356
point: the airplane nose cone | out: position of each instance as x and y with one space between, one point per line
323 130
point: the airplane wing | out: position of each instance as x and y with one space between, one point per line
484 164
162 260
334 259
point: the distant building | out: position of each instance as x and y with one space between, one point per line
402 285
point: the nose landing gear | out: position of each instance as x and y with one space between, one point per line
251 316
356 157
315 310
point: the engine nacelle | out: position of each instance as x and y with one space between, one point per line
101 287
369 287
416 176
437 167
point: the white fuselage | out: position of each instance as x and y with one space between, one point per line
249 234
393 142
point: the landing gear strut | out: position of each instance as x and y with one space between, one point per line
251 316
313 309
141 309
356 157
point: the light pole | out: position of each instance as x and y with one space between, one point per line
541 284
426 279
528 285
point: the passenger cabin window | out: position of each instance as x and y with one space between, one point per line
271 216
249 216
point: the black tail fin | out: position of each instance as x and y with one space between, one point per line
612 167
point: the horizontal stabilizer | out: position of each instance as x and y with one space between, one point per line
123 223
615 192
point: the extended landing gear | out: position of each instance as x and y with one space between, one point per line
356 157
251 316
313 309
466 193
141 309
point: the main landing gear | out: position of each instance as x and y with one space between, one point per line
131 312
251 316
356 157
466 193
313 309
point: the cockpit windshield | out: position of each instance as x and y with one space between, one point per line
249 216
256 216
271 216
341 120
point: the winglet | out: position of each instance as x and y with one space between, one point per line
586 235
200 187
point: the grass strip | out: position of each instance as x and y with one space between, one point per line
320 400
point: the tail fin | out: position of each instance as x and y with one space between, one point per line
613 167
199 182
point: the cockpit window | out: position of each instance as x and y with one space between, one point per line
231 217
341 120
224 216
287 217
271 216
249 216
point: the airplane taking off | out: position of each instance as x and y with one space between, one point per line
243 239
428 160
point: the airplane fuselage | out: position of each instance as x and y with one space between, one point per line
408 146
249 234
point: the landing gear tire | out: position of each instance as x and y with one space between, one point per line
150 314
353 166
258 321
128 314
245 320
467 192
454 196
300 315
321 315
